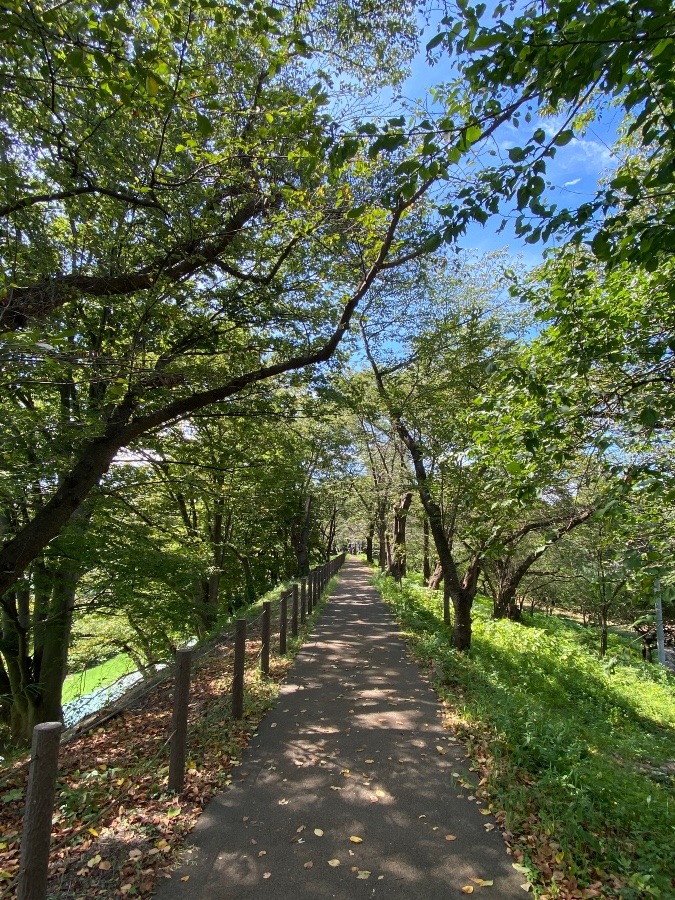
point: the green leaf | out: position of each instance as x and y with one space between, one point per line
204 126
563 138
436 40
516 154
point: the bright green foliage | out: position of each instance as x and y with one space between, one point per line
573 61
585 747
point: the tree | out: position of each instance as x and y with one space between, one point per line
551 58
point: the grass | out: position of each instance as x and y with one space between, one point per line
81 683
578 752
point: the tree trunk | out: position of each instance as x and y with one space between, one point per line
369 542
397 565
436 577
461 632
302 539
382 535
426 561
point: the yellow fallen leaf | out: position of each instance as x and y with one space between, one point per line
451 837
318 832
161 844
362 873
333 862
467 889
93 831
442 750
482 882
94 861
560 856
369 760
485 812
488 826
355 839
185 878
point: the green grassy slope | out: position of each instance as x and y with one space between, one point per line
578 752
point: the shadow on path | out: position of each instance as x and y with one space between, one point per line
354 748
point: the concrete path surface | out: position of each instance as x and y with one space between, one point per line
354 749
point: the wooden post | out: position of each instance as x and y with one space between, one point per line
37 819
303 601
310 593
266 629
283 617
239 665
181 697
294 615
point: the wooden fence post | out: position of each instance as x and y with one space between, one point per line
37 819
283 618
310 593
294 615
239 665
303 601
181 698
266 629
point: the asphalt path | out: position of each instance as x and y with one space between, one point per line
351 787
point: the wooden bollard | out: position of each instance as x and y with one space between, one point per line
283 618
294 613
181 699
37 819
266 630
303 601
239 665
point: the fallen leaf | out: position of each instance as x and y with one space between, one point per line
369 760
298 830
355 839
262 852
105 865
173 811
362 873
442 751
95 861
309 864
333 862
318 832
267 874
135 854
467 889
185 878
527 886
482 882
125 888
451 837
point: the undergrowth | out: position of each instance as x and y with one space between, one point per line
578 752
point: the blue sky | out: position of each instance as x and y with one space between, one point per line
574 173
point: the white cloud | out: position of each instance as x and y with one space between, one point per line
570 183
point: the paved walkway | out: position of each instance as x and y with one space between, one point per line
354 749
